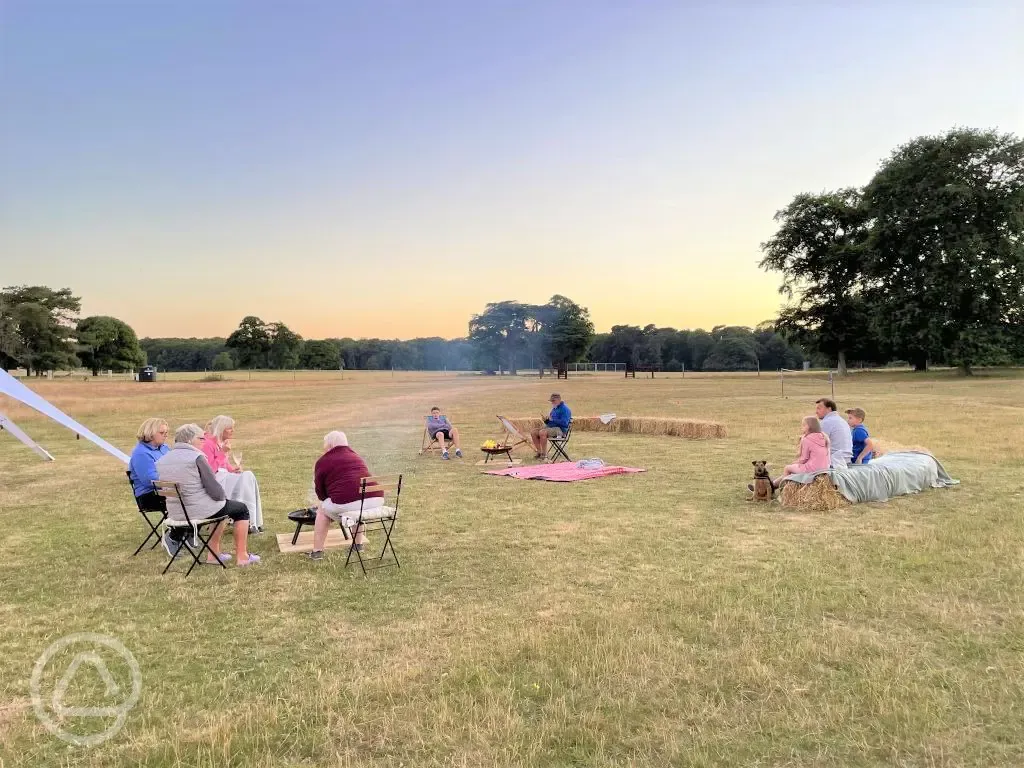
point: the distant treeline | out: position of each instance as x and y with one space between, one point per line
427 354
724 348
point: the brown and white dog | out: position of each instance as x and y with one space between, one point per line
763 488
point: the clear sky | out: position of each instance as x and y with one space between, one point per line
385 168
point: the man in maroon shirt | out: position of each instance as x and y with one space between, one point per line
336 479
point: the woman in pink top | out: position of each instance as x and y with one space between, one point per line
814 451
238 484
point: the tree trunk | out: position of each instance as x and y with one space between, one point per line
841 363
965 368
920 362
95 371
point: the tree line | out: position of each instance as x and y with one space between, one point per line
924 264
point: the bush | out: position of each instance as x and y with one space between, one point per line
212 377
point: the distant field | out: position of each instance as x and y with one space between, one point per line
655 619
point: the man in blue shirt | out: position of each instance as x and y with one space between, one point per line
555 425
863 447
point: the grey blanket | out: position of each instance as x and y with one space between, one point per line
893 474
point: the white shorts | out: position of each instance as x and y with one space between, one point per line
348 514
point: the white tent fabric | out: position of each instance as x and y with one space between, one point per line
11 387
9 426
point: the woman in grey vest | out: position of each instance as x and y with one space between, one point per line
203 496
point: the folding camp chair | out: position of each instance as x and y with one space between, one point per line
197 544
428 445
381 518
556 445
154 527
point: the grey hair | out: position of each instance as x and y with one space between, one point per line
217 426
186 433
334 439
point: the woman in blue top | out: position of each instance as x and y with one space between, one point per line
152 437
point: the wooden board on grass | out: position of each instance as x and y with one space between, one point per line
335 540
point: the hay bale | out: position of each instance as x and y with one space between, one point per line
818 496
691 429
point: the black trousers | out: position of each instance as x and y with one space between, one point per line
152 502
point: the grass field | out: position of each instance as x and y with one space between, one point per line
655 619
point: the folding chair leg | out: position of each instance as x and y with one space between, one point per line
153 532
387 542
175 557
205 546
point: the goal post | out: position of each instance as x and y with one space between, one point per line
797 379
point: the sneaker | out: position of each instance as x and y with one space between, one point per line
444 456
170 544
316 555
458 453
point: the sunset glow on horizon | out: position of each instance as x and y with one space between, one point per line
385 170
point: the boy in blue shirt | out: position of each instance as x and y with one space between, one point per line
863 447
555 425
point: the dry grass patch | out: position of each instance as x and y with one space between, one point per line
651 620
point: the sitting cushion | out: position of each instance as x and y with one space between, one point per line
349 519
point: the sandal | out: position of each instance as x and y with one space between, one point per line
253 559
223 557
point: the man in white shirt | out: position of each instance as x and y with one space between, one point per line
838 431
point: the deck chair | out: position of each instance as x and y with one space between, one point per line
153 524
556 446
512 434
428 445
195 545
374 519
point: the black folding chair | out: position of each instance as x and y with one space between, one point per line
154 527
197 544
381 518
557 445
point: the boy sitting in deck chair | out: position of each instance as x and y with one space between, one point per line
440 429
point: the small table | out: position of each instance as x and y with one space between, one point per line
498 451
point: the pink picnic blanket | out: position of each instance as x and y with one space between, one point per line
563 472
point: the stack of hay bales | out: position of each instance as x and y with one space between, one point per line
692 429
820 495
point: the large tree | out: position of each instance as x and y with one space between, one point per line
108 343
568 332
499 333
251 343
946 257
819 249
37 328
322 355
285 346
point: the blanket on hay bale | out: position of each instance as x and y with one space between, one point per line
894 474
692 429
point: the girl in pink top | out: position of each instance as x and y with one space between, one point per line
814 450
